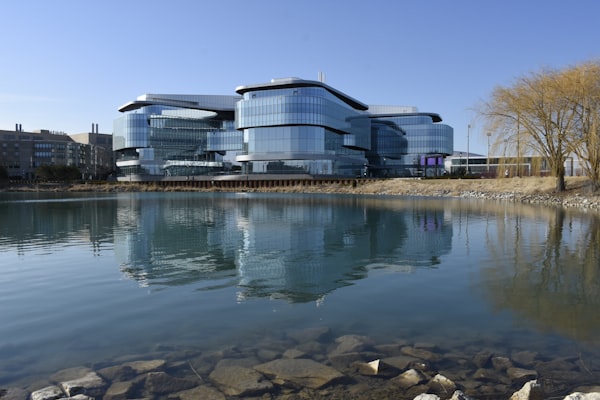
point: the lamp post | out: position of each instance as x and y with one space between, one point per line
488 153
468 134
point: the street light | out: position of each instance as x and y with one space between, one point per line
488 152
468 134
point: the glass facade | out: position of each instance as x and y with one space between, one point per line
287 126
155 141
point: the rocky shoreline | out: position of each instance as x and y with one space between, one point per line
314 364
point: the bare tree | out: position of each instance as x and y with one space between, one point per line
535 114
582 90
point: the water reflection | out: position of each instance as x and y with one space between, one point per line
539 264
298 248
552 274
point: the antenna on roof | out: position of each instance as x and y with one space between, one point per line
321 77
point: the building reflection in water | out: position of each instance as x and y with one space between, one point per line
298 247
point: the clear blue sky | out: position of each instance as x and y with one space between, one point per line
69 63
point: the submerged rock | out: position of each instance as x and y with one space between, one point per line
47 393
91 384
409 378
163 383
201 392
301 372
240 381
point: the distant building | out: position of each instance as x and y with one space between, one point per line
22 152
286 126
506 166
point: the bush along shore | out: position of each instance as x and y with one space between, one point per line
313 363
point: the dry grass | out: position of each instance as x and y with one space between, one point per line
576 186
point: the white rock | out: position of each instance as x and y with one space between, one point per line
47 393
427 396
531 388
583 396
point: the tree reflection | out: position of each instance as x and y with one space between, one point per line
551 281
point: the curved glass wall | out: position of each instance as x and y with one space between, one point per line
170 141
286 126
302 130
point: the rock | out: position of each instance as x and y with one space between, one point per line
79 397
376 368
351 344
47 393
501 363
119 391
409 378
530 391
91 384
293 353
201 392
441 385
240 381
118 373
300 372
459 395
482 358
400 362
345 361
427 396
141 367
421 354
267 355
521 374
163 383
70 374
524 358
14 394
484 374
248 362
583 396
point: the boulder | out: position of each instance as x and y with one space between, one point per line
482 358
501 363
583 396
427 396
351 344
119 391
47 393
235 380
409 378
345 361
524 358
439 384
293 353
143 366
118 373
376 368
301 372
521 374
421 354
90 384
14 394
159 382
401 362
530 391
200 392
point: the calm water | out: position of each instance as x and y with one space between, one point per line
87 278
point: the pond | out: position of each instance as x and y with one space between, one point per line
91 279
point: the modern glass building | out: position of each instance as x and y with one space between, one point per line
286 126
175 135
